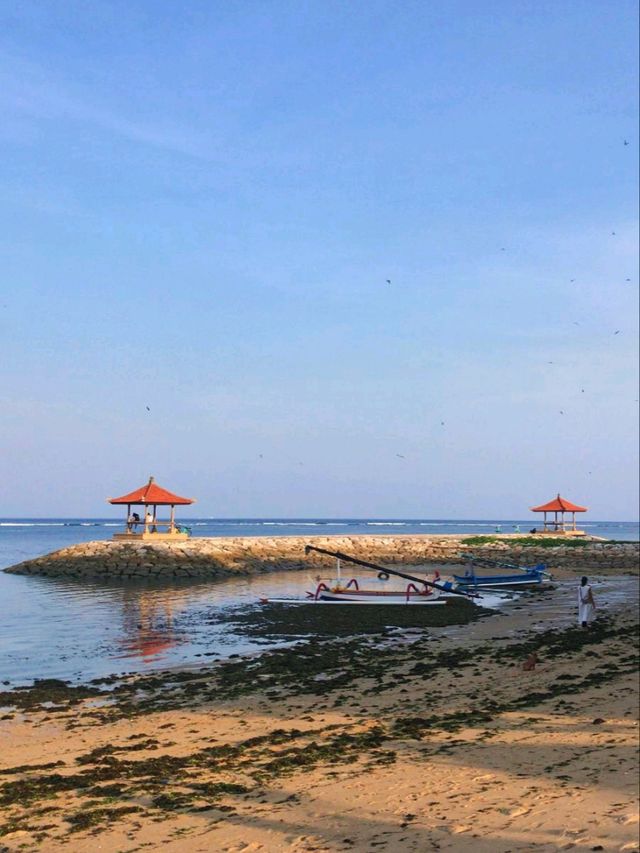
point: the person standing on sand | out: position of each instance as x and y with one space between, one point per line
586 604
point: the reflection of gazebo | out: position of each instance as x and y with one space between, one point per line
151 497
560 506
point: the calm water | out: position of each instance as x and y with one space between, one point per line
65 629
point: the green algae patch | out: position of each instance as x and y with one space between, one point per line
29 768
98 818
45 693
530 542
24 791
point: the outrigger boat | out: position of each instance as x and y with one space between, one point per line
419 591
530 576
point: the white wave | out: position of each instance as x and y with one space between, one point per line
386 523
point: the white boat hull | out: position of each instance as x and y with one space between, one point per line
362 600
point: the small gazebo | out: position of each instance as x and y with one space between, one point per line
149 526
559 506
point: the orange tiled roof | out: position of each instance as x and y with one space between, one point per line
559 504
151 494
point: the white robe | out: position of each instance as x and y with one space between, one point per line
586 610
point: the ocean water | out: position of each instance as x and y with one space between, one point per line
75 630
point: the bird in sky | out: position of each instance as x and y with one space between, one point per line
147 408
613 233
575 323
625 142
260 455
441 423
561 412
573 279
582 390
388 281
549 362
617 332
400 456
626 279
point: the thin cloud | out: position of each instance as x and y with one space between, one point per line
26 90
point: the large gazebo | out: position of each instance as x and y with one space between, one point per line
150 497
559 506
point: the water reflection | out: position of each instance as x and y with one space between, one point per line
148 625
63 629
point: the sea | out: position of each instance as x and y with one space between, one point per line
78 630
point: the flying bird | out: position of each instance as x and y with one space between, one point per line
626 279
617 332
561 412
573 279
613 233
388 281
400 456
441 423
147 408
575 324
625 142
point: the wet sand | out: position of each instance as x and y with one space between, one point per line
412 740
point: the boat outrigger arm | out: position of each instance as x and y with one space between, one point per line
340 556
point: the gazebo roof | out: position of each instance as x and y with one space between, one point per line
559 504
151 493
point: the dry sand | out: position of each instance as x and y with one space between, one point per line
413 744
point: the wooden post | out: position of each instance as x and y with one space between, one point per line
172 526
127 526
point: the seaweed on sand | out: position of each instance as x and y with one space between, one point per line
46 692
281 620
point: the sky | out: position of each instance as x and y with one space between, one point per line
202 205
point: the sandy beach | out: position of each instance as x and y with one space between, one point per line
413 740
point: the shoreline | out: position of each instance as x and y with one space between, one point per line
432 739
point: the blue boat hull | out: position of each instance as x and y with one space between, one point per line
526 579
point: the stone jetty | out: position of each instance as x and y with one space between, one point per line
223 557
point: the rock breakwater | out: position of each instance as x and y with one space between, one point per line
222 557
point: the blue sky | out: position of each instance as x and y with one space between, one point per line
201 204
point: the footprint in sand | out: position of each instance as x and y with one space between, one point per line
521 810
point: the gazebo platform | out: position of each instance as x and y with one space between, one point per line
151 537
561 532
